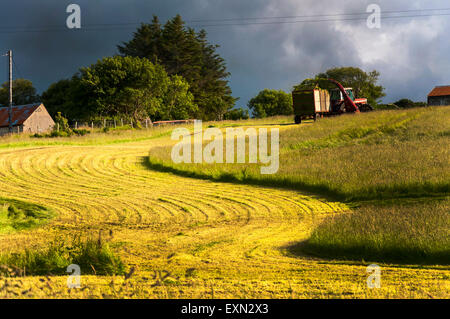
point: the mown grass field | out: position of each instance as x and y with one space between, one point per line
213 232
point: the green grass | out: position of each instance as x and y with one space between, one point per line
411 232
93 257
18 215
113 136
384 154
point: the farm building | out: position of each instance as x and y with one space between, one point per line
30 118
440 95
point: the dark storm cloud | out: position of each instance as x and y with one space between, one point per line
411 54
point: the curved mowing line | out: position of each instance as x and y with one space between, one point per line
102 187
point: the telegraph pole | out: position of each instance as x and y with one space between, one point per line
10 91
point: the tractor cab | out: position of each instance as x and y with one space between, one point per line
337 98
336 94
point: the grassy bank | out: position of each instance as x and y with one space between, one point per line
384 154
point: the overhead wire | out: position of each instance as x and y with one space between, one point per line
237 21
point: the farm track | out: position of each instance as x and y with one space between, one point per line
215 239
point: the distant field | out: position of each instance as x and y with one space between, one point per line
231 233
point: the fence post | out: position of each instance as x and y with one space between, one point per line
76 125
18 129
92 125
146 123
121 121
115 126
57 127
131 123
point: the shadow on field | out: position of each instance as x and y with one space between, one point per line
401 232
324 191
312 190
362 255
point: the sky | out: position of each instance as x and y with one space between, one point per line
411 53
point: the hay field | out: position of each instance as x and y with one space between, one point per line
184 237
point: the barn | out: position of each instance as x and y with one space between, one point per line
30 118
440 95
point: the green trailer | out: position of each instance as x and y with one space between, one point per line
310 103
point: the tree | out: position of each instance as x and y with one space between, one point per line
136 88
407 103
65 96
61 123
178 102
146 42
184 52
271 103
121 86
236 114
364 84
23 93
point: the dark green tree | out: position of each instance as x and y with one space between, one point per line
61 123
23 93
407 103
236 114
184 52
66 96
136 88
271 103
121 86
146 42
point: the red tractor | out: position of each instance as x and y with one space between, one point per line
314 102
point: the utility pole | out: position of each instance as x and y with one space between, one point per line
10 91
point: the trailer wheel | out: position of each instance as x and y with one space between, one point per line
298 119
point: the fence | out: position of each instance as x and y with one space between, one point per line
100 125
125 124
